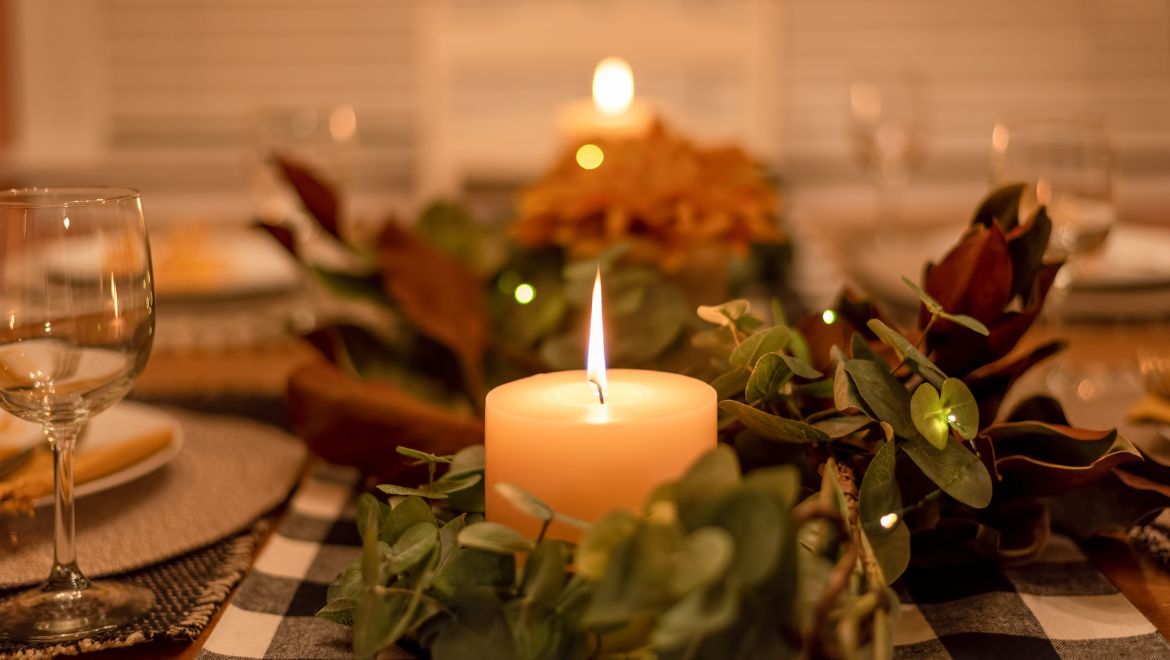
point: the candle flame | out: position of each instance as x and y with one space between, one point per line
613 86
595 362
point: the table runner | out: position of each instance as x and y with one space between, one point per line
1057 606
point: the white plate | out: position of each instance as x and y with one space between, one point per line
124 420
1135 257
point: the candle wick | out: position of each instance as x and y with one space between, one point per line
600 394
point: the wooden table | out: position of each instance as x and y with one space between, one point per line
1145 583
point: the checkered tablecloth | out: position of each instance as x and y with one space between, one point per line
1058 606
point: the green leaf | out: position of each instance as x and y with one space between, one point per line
467 568
494 537
845 394
765 341
415 544
770 373
932 305
756 524
861 350
700 613
960 407
370 513
841 426
800 367
704 558
478 629
926 410
525 501
889 538
381 618
906 351
592 557
726 314
731 383
955 470
782 482
772 427
638 576
884 395
408 513
369 520
698 491
422 455
436 491
968 322
348 583
339 611
545 572
466 460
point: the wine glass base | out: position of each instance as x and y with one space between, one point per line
48 615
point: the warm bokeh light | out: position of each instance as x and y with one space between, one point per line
865 101
342 123
525 293
889 520
829 317
595 361
613 86
590 156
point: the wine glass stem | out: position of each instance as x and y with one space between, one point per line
65 575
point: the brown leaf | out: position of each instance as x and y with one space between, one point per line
975 277
440 297
282 235
991 383
319 198
356 423
1037 459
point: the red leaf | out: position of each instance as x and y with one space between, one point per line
360 423
441 298
975 277
319 198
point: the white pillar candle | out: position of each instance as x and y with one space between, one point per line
552 436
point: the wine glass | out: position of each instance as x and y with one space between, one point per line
1067 165
76 327
887 129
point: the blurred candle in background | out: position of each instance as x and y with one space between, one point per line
613 112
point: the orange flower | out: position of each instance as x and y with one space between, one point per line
661 191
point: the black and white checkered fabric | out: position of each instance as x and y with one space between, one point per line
1058 606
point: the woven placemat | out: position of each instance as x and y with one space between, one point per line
188 590
230 471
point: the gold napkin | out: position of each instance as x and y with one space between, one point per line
34 479
1151 408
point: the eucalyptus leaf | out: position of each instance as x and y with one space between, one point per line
957 471
860 349
880 498
765 341
404 491
468 459
370 513
422 455
772 426
843 425
799 366
339 611
962 411
348 583
782 482
593 553
887 397
926 410
415 544
704 558
494 537
381 618
906 351
756 524
969 322
932 305
369 520
725 314
408 513
545 572
770 374
697 493
845 394
525 501
731 383
468 568
697 615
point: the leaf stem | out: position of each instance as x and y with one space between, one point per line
925 331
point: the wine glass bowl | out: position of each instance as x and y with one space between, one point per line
76 328
1067 166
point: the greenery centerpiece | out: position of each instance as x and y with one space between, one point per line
846 442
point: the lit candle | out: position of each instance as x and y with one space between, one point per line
590 441
613 112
